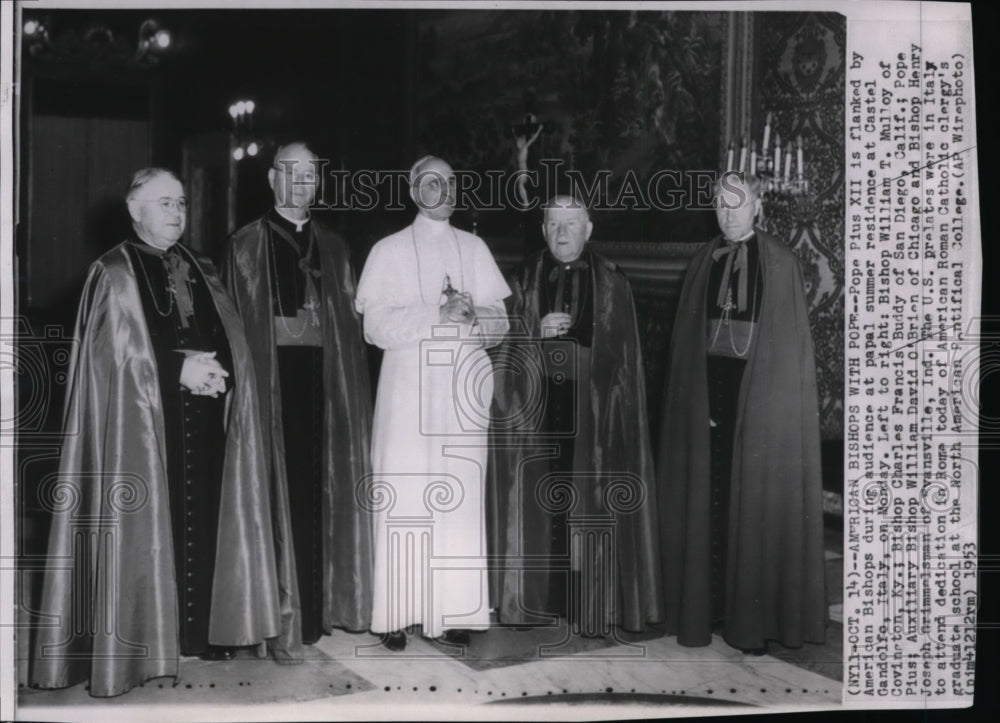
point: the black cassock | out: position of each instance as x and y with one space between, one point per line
295 291
294 288
194 424
759 562
726 362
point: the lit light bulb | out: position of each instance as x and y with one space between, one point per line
250 106
252 149
238 153
162 39
31 27
232 111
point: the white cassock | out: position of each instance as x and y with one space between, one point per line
429 439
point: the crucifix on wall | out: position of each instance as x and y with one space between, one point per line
524 135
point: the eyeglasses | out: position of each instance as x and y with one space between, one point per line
168 204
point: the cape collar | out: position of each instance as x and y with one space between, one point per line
429 227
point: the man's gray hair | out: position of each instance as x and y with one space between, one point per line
143 176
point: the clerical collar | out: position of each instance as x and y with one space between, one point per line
297 223
580 262
427 226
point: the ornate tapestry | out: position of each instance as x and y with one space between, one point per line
801 80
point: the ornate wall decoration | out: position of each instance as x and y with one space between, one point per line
801 80
620 92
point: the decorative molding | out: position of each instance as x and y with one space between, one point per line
738 81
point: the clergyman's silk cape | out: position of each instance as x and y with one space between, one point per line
775 588
347 421
620 460
109 591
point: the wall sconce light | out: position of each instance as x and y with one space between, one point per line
96 43
153 40
34 28
243 141
36 36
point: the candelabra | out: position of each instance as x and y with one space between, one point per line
784 190
774 167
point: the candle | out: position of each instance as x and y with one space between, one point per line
788 162
767 135
729 157
743 156
753 158
798 157
777 155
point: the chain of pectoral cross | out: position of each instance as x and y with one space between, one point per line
311 305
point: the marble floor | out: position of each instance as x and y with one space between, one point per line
352 676
542 674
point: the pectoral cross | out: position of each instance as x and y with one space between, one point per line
311 306
448 289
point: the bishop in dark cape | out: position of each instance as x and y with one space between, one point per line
161 541
739 467
294 287
574 529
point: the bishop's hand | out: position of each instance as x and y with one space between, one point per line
202 375
555 323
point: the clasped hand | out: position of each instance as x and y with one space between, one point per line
555 323
459 309
202 375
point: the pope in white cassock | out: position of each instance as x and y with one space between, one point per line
432 298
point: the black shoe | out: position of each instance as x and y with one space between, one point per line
456 637
218 652
395 641
756 652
